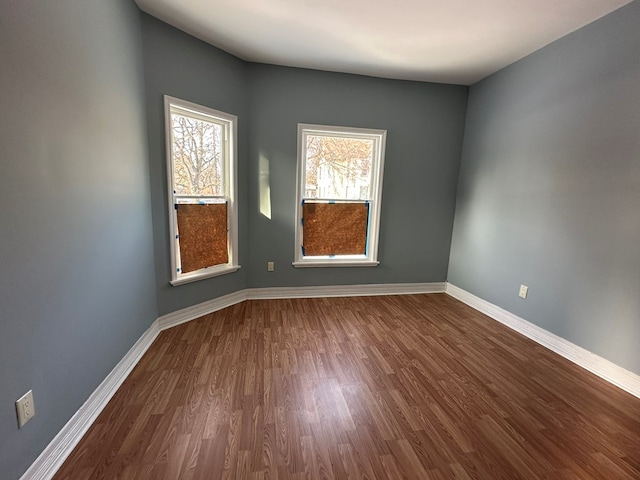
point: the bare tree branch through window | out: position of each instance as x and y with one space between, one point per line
198 156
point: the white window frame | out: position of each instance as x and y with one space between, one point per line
370 259
229 124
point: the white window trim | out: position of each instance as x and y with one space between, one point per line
230 129
371 258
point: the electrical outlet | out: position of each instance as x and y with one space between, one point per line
25 408
271 266
523 291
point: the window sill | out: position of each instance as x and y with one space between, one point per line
207 273
335 263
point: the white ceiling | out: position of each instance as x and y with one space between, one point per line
448 41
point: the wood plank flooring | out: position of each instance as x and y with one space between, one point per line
415 387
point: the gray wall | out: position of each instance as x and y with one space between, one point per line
549 191
76 289
181 66
424 123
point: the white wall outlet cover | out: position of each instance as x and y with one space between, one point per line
25 408
523 291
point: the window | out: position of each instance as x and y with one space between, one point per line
201 162
338 196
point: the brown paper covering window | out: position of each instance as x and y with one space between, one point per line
202 235
334 228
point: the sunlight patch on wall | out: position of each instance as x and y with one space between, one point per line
264 187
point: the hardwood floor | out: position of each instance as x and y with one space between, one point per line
417 386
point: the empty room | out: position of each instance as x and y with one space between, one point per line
297 240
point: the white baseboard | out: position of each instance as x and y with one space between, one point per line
345 290
196 311
597 365
54 455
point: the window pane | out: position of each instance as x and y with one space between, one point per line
338 168
198 156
